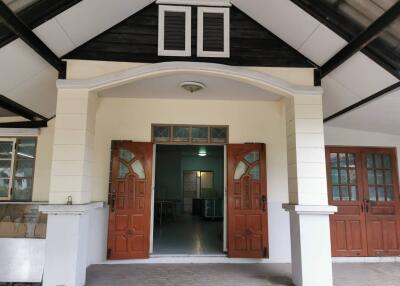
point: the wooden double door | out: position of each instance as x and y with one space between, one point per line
130 200
363 184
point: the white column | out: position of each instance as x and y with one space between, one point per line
71 176
308 199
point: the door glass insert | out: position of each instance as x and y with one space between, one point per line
137 167
126 155
255 172
252 157
343 176
380 179
241 168
123 170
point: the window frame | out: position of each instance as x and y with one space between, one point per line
14 166
187 52
225 11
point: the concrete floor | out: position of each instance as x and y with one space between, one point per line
189 234
349 274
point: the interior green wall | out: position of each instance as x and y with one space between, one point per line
172 161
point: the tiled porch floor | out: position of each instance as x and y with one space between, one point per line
345 274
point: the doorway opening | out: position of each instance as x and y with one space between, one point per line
189 200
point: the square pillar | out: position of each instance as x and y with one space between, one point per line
73 149
308 198
71 176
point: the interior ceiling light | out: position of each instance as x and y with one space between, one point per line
202 151
192 86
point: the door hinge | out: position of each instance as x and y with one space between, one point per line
265 254
108 253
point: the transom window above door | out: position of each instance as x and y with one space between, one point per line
189 134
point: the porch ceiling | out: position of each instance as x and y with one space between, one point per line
31 81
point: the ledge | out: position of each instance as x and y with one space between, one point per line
22 203
70 209
310 209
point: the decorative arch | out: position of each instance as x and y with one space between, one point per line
255 78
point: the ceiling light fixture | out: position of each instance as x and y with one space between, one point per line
192 86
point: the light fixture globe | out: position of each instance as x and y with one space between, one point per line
192 86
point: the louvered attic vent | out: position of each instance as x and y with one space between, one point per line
213 32
174 31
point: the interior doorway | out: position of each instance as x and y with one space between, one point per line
189 189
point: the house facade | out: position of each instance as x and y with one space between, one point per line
197 73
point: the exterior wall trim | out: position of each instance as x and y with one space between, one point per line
310 209
214 3
251 77
70 209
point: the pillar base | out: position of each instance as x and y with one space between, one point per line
310 244
67 243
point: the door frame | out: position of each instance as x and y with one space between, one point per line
225 221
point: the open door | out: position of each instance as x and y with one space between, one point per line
247 201
130 200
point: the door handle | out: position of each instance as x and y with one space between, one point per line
362 207
367 205
112 201
264 203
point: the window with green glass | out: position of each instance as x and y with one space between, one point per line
343 176
380 181
17 163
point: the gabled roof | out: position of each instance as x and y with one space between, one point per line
31 81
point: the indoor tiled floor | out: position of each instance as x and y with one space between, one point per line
188 235
349 274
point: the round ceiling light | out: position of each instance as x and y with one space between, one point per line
192 86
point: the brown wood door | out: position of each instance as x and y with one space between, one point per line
363 184
381 201
247 201
130 200
344 174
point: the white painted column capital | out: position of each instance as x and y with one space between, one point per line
310 209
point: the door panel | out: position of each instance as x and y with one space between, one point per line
247 205
344 174
367 221
381 201
130 200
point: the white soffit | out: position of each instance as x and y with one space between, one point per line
381 115
53 35
336 96
18 63
362 76
89 18
322 45
38 93
282 17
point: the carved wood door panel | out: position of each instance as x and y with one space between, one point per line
130 200
247 201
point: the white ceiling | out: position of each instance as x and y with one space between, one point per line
31 81
169 87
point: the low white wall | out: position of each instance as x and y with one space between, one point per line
97 239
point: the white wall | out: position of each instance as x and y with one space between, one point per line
131 119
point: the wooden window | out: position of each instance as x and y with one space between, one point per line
17 163
189 134
174 31
213 35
